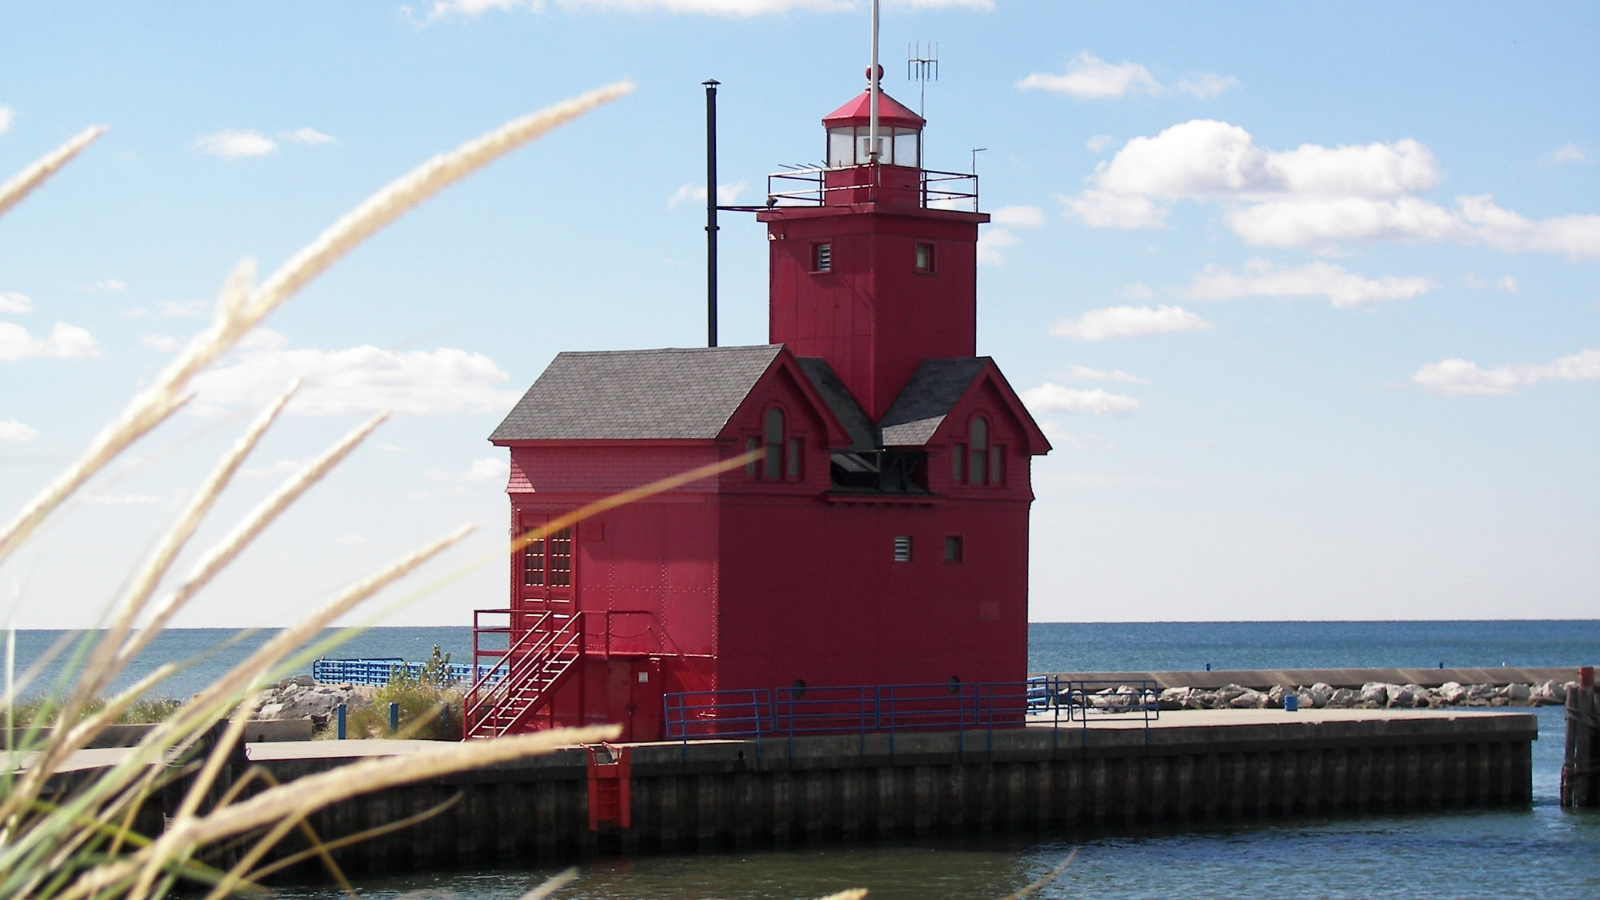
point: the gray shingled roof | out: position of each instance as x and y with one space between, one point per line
863 436
929 396
637 394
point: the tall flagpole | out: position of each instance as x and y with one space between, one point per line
874 147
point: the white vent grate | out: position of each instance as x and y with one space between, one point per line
902 548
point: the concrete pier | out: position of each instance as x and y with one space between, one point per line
1188 767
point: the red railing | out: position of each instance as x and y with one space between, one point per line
515 681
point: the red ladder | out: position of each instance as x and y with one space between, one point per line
610 786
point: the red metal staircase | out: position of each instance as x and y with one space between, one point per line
522 678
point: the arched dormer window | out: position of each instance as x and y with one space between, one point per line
978 435
784 453
773 439
978 461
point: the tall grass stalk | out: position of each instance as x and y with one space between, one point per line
80 843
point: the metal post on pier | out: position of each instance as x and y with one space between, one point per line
1580 776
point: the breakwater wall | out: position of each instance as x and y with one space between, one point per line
1265 679
1190 767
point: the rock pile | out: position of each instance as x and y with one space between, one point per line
1372 695
301 698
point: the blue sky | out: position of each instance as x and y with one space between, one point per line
1307 297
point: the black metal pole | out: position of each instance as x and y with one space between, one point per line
711 212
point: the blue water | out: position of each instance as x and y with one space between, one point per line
1541 852
1185 646
1052 647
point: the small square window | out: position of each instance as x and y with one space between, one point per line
902 548
952 549
925 258
822 257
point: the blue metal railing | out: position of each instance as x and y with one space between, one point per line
871 709
381 671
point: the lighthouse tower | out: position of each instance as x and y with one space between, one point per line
881 273
881 541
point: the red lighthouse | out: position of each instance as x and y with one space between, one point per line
883 539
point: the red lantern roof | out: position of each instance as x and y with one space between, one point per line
859 111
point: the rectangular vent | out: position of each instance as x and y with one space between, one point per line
823 261
902 548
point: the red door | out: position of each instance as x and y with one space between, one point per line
547 576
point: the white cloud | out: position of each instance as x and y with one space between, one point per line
1084 373
1049 398
1018 216
489 470
1459 378
160 342
65 342
1319 279
1128 321
351 539
1098 143
1206 85
13 302
990 241
473 8
1564 153
120 499
105 284
1106 209
999 234
6 115
12 431
273 470
985 5
727 194
308 135
356 380
194 309
1089 77
1507 284
236 143
1310 196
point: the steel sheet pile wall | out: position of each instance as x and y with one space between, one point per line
729 794
1580 774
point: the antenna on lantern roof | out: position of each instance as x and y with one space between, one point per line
923 67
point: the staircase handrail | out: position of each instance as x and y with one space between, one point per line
575 636
527 649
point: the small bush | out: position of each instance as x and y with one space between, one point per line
424 699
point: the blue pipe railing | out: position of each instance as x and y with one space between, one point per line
872 709
381 671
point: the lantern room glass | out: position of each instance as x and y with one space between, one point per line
847 146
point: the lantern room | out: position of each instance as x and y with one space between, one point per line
849 133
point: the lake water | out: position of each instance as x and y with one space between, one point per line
1541 852
1052 647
